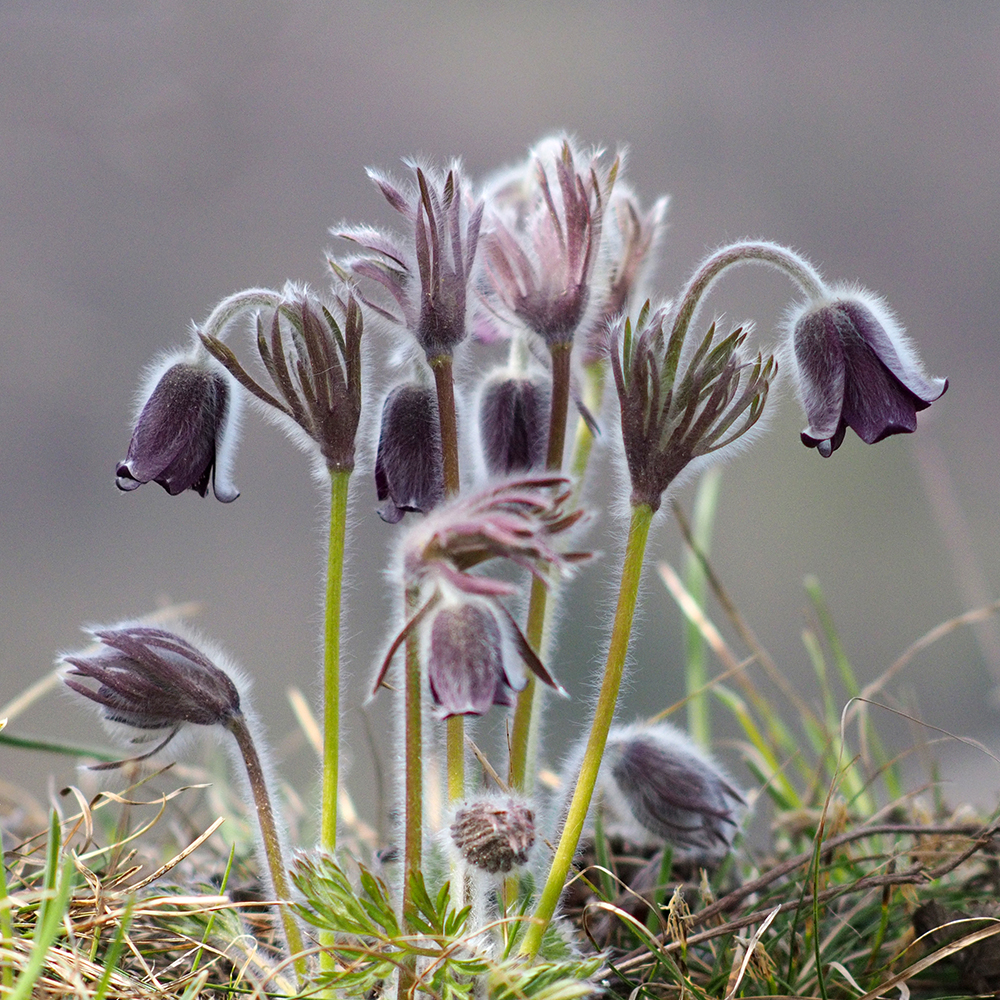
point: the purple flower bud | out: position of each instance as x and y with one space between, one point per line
513 424
466 661
150 679
408 472
856 369
656 786
494 834
184 434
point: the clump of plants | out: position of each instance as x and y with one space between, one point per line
515 330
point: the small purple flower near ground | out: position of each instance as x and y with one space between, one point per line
184 434
151 679
856 369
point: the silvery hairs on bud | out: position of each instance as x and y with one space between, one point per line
657 787
494 834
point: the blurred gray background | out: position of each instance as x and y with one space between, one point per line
155 157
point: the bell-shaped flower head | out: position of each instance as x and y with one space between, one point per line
185 432
545 239
678 406
150 679
408 471
655 786
513 422
855 368
428 272
469 641
311 352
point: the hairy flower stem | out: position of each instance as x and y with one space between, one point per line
413 794
523 735
797 268
269 836
445 385
339 481
642 516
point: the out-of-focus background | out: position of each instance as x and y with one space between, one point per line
155 157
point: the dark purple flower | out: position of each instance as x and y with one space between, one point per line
672 415
184 434
429 272
314 363
409 475
856 369
151 679
470 642
513 423
466 666
656 786
494 834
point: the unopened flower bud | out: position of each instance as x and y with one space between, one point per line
513 424
184 434
151 679
856 369
408 466
494 834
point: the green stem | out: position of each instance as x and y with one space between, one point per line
447 418
272 842
413 794
642 516
339 481
525 717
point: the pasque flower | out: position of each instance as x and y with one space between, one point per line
513 422
428 272
655 786
313 360
545 240
470 643
409 475
670 416
151 679
494 834
184 434
856 369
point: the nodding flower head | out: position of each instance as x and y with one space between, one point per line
314 364
185 433
409 474
428 272
470 642
855 368
669 416
151 679
513 423
656 786
546 238
494 834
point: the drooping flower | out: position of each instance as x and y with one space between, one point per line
513 422
185 432
151 679
670 416
545 239
494 834
470 643
655 786
408 470
856 369
429 271
314 363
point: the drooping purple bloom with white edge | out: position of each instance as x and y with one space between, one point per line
185 432
513 422
855 368
473 649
